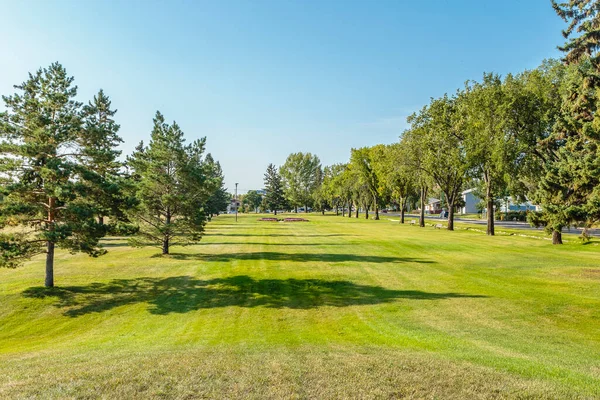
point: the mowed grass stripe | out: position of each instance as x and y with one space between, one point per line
379 309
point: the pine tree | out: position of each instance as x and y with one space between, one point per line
100 140
45 185
219 199
274 198
569 187
173 184
583 17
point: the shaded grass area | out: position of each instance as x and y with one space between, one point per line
332 308
182 294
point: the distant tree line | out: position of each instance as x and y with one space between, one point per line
63 184
531 136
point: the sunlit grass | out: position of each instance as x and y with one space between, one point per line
332 308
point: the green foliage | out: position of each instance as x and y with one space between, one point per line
111 189
443 156
484 107
331 190
300 174
253 199
396 175
47 150
363 161
173 184
218 201
274 198
583 17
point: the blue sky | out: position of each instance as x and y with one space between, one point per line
261 79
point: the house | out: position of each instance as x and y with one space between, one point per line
433 206
526 206
233 205
470 200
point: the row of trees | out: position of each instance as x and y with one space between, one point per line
295 184
61 176
532 136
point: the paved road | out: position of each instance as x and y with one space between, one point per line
498 224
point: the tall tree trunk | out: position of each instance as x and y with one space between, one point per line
275 211
49 265
101 219
557 237
337 211
451 215
305 209
349 209
422 213
323 211
165 246
49 281
376 210
490 217
366 212
402 207
490 204
296 209
357 210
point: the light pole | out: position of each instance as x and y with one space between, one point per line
236 203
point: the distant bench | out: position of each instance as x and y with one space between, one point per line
438 226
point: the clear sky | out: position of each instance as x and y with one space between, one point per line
261 79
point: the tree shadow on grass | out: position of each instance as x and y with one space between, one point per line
299 257
276 244
181 294
278 235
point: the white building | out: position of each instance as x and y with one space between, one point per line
470 201
526 206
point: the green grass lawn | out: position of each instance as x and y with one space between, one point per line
331 308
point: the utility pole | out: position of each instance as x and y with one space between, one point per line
236 202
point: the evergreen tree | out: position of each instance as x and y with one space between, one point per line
219 199
173 183
45 185
583 17
569 187
100 140
274 198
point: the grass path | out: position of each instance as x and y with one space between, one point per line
330 308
